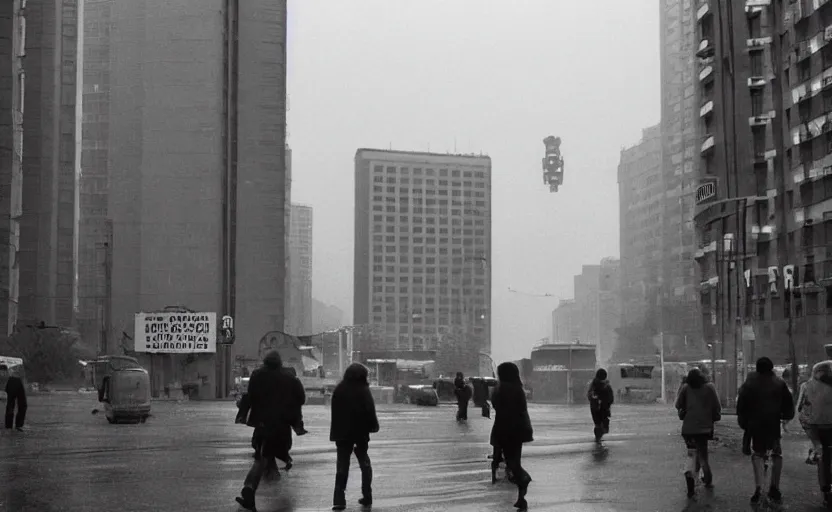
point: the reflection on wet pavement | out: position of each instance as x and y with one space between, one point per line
190 456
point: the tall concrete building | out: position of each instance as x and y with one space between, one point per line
299 316
47 225
765 194
94 228
12 86
598 307
565 322
678 291
641 198
197 165
423 253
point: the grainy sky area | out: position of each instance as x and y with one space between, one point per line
494 76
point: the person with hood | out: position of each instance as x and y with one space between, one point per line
463 396
698 407
353 420
512 427
244 407
819 399
601 398
804 410
763 402
15 395
273 395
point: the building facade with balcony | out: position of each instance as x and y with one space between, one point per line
801 245
422 254
763 200
677 299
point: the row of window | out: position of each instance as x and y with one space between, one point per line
418 171
422 290
430 230
404 219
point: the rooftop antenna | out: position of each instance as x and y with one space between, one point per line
454 145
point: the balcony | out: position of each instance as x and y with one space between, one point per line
706 109
812 87
706 49
757 3
707 74
805 49
808 131
818 170
758 43
761 157
756 82
707 145
704 10
762 119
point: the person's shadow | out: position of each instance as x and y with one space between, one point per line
600 453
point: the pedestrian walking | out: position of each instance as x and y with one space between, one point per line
353 420
463 397
512 427
818 397
698 407
763 403
804 409
601 398
273 395
15 395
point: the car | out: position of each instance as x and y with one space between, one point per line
418 394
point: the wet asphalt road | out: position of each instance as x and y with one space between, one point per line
191 457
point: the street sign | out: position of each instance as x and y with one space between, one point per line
226 330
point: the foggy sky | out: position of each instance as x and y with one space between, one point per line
494 76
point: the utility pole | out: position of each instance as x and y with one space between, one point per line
661 362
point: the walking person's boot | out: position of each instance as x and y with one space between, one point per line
246 499
339 496
523 482
366 483
494 466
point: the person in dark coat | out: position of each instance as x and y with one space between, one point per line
601 398
763 402
698 406
273 396
15 395
463 396
512 427
353 420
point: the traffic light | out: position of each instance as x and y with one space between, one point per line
552 163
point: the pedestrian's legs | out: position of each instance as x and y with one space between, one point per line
776 464
342 473
463 411
598 421
496 459
254 476
22 406
817 446
690 464
10 402
824 436
366 472
513 454
704 461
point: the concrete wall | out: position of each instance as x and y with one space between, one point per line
47 241
261 204
166 156
11 154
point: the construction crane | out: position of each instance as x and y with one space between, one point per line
552 163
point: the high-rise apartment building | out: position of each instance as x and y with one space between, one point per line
299 315
423 253
678 297
94 229
47 225
197 161
565 322
641 198
765 197
598 307
12 83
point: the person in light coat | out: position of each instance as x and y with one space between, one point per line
698 407
818 397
